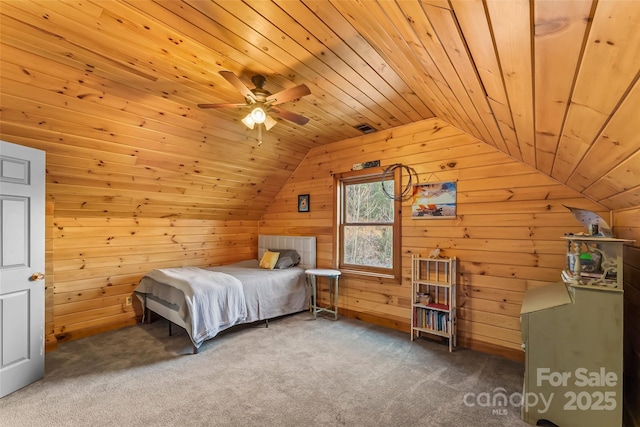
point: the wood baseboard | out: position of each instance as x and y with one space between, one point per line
375 320
482 347
84 333
496 350
50 343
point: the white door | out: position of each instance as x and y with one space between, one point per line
22 210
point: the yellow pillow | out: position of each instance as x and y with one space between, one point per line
269 260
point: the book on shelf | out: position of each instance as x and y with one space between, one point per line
431 319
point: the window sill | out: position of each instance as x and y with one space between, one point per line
381 277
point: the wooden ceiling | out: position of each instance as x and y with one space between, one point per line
110 89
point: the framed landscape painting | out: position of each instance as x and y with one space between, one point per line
434 200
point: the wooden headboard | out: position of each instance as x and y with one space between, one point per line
304 245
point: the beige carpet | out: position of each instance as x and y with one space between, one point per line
297 372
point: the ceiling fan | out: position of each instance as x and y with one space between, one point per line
261 102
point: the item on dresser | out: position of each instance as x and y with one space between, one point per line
595 225
594 261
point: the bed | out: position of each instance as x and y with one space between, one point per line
206 301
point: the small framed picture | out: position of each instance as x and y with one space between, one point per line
303 203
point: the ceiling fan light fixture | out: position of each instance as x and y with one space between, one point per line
269 122
258 115
261 100
248 121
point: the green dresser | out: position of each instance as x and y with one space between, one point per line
572 337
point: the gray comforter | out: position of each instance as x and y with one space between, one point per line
210 301
269 293
213 299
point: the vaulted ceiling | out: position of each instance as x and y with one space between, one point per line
110 89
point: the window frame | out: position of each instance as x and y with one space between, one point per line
364 176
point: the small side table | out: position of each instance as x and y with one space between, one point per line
312 279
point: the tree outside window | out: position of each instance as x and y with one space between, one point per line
369 225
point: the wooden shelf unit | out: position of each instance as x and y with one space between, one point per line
433 298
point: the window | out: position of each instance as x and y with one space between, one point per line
369 223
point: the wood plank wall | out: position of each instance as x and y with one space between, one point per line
627 226
97 262
50 338
507 234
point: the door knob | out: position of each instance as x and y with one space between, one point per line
36 276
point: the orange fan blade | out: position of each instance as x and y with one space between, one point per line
288 115
222 105
240 87
288 95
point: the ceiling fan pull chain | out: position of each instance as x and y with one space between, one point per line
259 134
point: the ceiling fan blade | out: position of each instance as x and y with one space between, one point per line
288 115
288 95
240 87
222 105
